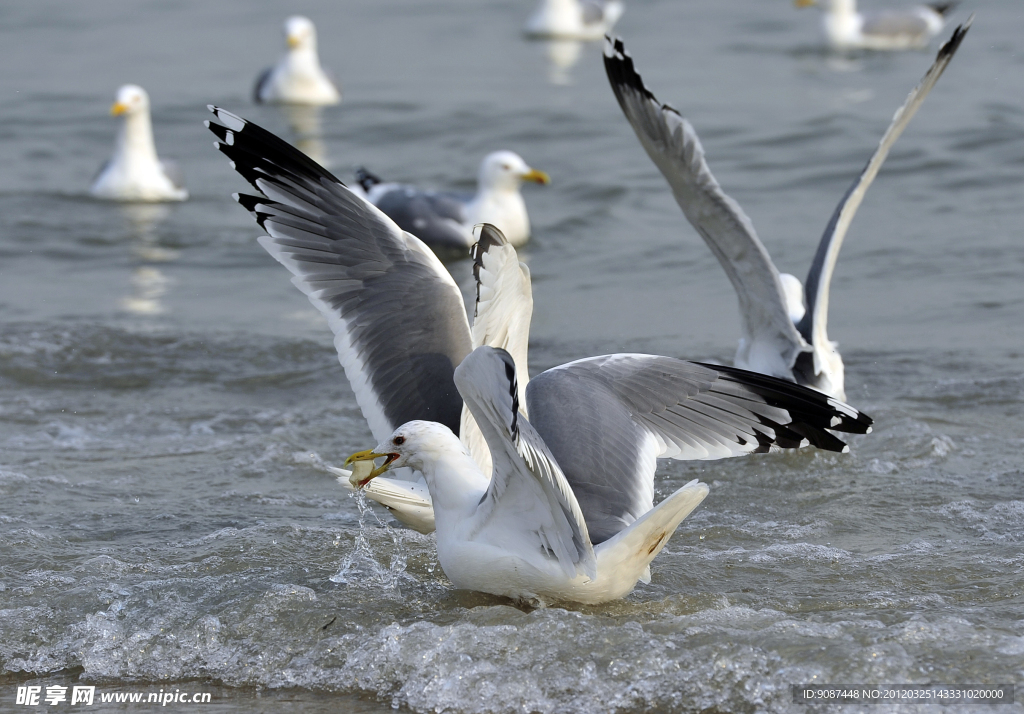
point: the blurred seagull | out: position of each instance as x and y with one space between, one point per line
297 78
401 330
572 19
910 28
445 220
134 172
784 323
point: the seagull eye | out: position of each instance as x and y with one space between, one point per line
398 440
506 167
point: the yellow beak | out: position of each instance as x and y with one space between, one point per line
370 455
118 109
536 176
805 3
292 41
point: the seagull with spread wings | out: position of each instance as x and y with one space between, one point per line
784 323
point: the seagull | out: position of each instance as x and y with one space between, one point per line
910 28
297 78
572 19
567 513
401 330
783 322
445 220
135 172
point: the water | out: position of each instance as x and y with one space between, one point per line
168 400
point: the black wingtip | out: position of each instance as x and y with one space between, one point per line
951 45
622 73
490 236
513 389
943 8
366 179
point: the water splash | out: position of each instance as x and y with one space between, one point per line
361 567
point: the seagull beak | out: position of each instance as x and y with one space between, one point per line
293 41
370 455
805 3
536 176
118 109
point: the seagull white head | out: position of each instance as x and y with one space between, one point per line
409 445
131 99
300 33
506 170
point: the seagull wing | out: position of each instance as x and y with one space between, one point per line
501 318
435 218
529 506
814 324
607 419
397 315
673 145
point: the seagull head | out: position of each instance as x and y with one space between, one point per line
506 170
299 33
410 445
131 99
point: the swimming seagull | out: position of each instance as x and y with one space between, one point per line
567 513
910 28
445 220
573 19
783 323
135 172
297 78
401 330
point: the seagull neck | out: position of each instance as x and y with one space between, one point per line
136 138
304 60
455 483
843 8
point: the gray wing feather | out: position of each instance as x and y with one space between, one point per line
435 218
673 145
814 325
606 419
261 84
398 317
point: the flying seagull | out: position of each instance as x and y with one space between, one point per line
567 512
444 220
135 172
783 323
297 78
908 28
401 330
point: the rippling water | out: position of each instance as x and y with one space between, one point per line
168 400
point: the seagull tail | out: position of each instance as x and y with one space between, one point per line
628 554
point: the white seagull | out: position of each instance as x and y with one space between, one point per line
401 330
445 220
135 172
567 513
909 28
573 19
784 323
297 78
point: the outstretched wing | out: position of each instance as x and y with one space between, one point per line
673 145
814 324
501 318
607 419
398 318
529 506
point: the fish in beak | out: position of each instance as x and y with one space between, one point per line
359 476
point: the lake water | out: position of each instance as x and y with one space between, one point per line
168 400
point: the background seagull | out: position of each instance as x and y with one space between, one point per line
134 172
445 220
297 78
784 323
572 19
909 28
401 330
